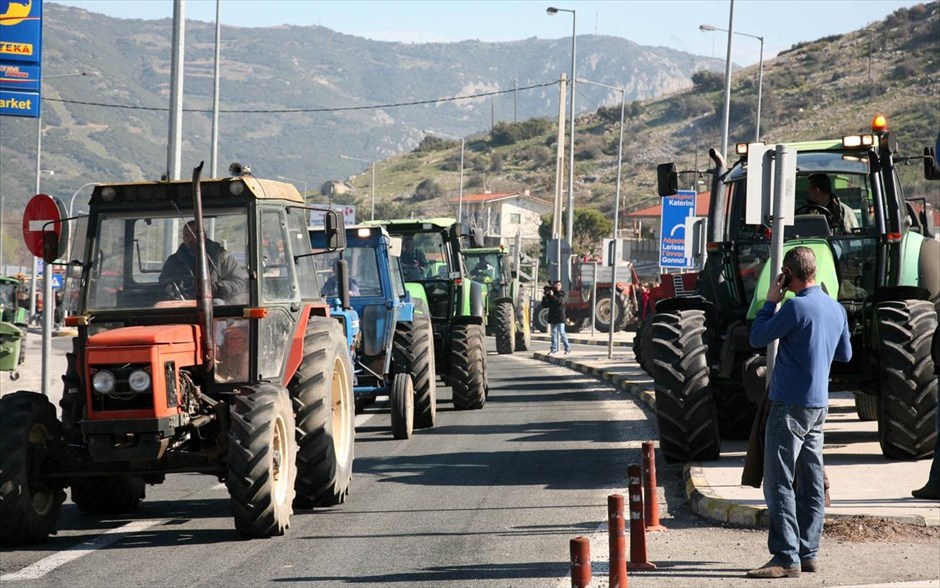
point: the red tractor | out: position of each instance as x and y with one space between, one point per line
236 370
580 301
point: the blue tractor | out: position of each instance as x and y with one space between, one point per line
394 351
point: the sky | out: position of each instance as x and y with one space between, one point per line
668 23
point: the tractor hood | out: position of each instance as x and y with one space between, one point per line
181 335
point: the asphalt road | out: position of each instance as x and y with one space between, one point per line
485 498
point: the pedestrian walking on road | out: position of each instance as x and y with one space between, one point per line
555 299
813 331
931 490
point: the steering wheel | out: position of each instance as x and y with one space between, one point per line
813 208
177 289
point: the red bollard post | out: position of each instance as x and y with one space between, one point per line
580 562
650 497
638 557
617 541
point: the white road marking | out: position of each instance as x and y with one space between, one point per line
109 537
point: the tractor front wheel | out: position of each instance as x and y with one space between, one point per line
29 505
402 401
324 407
413 353
261 460
505 328
524 328
468 366
908 398
685 407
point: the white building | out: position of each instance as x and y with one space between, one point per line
504 215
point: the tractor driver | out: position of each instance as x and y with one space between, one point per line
228 277
821 200
413 261
483 271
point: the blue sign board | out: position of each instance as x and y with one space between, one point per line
20 57
676 209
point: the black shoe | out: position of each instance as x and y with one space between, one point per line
928 492
809 565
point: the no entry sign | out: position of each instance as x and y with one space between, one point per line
42 215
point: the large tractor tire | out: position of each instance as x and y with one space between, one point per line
908 397
468 366
261 460
505 327
685 407
402 401
108 494
641 344
29 506
524 325
604 313
324 409
866 406
413 353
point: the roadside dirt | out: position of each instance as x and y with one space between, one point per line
874 529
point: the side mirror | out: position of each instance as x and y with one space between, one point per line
667 180
455 231
931 166
335 229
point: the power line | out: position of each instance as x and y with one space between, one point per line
307 110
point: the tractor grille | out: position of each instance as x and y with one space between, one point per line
169 371
122 398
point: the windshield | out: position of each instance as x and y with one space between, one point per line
483 266
363 272
140 262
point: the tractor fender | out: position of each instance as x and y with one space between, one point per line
467 320
683 303
898 293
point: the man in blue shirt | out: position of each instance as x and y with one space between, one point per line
813 331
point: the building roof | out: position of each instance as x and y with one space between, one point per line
702 201
497 196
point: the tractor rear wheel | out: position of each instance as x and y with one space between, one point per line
735 412
413 353
908 397
402 401
541 318
261 460
603 314
29 505
108 494
685 407
322 394
468 366
866 406
505 327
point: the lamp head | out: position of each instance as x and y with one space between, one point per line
705 28
551 10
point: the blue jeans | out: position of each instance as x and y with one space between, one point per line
793 450
558 332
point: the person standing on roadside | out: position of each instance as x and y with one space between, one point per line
813 331
931 490
555 299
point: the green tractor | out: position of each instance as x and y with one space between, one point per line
13 321
437 280
507 306
882 264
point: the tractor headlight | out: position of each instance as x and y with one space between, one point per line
139 381
103 382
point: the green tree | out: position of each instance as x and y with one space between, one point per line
590 226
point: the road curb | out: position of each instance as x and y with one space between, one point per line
702 499
581 340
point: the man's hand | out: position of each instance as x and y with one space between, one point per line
777 289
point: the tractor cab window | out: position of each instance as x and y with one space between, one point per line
277 276
484 268
363 272
141 261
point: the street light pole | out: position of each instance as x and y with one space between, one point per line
613 264
460 191
372 163
551 10
760 70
